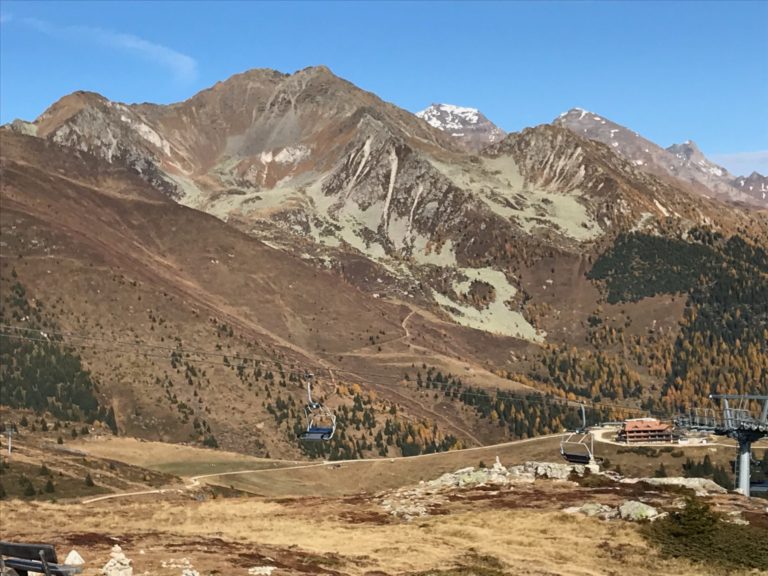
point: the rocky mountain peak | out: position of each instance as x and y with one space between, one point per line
67 107
577 113
448 116
466 125
688 154
755 185
688 150
684 161
556 158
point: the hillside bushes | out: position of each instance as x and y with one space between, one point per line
700 534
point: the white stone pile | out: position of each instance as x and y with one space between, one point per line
118 564
184 563
261 570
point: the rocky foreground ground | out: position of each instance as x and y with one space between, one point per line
537 518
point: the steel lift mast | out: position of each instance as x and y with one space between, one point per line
737 422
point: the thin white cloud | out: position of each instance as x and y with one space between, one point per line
182 66
743 163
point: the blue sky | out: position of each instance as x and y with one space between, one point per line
671 71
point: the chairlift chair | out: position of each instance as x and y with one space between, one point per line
578 447
321 422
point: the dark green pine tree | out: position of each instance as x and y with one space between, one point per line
720 476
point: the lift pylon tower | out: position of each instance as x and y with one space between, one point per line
9 430
737 422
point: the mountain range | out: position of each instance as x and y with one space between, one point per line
280 222
684 162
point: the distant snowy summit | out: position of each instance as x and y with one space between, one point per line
682 161
688 153
755 184
468 125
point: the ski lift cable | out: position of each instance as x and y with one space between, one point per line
532 398
220 354
539 397
118 348
130 343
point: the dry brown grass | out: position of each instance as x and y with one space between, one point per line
524 541
171 458
277 478
305 526
336 479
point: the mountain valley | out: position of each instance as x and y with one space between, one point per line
215 249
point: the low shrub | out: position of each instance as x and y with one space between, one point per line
700 534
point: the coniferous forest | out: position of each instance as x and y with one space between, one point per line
722 345
38 371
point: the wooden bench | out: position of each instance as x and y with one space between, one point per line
22 559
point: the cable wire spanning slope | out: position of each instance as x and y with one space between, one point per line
136 348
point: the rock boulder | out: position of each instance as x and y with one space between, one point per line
635 511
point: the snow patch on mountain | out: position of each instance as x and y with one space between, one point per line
287 155
448 117
683 161
466 125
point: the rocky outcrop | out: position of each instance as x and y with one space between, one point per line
499 475
630 510
556 471
408 503
702 486
427 497
635 511
594 509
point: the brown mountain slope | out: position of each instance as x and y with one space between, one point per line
130 276
368 247
249 131
320 168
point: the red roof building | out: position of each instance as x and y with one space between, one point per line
639 430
